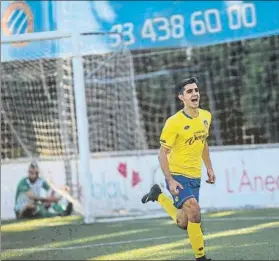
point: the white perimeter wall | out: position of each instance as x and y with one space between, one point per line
244 177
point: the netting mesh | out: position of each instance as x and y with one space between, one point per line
114 116
239 84
37 109
129 96
33 96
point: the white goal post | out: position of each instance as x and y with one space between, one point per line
94 114
80 103
62 105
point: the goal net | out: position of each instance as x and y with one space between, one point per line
39 114
238 84
128 98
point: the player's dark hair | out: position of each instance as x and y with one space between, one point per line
179 88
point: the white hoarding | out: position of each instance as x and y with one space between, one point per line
247 177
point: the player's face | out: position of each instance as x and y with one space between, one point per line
32 174
190 96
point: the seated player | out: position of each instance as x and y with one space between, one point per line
183 147
29 203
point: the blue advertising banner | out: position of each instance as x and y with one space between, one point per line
142 24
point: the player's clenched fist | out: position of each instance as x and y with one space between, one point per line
211 176
174 185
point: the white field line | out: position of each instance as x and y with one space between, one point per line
91 245
134 240
207 219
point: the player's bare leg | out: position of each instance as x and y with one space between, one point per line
192 209
182 219
188 217
179 216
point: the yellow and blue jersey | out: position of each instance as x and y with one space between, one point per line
185 137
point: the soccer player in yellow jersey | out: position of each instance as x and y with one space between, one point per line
183 147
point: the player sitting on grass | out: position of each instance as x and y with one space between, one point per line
183 147
29 203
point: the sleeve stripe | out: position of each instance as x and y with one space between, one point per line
165 145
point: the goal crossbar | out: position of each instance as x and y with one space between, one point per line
35 37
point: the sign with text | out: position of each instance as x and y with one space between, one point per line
245 177
137 24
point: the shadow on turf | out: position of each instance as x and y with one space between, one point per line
44 235
76 236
